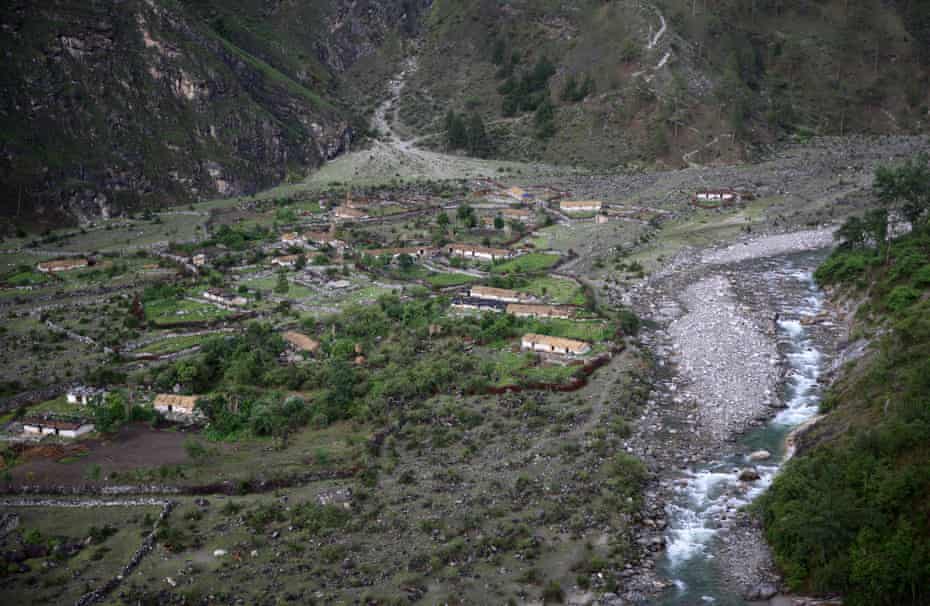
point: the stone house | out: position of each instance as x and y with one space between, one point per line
321 238
473 304
554 345
292 238
301 342
177 408
580 206
224 298
524 310
52 427
717 195
62 265
498 294
517 214
85 395
484 253
285 261
417 252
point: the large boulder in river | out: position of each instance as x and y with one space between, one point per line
749 474
760 455
762 591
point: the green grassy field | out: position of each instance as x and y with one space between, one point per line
511 368
58 406
166 312
557 290
584 331
449 279
172 345
530 263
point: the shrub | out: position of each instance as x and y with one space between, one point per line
901 297
553 593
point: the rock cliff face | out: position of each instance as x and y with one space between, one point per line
113 104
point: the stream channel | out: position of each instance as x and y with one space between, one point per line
707 496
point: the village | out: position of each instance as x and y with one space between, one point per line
363 387
339 252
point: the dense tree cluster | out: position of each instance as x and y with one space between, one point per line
851 515
468 134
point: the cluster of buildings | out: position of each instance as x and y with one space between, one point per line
521 305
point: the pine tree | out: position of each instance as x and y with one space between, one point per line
478 143
545 119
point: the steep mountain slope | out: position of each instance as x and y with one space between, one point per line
682 80
112 104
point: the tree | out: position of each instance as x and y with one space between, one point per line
301 261
907 187
498 222
109 414
405 262
463 212
442 220
456 132
545 119
283 285
478 142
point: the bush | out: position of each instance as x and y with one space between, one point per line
552 593
901 297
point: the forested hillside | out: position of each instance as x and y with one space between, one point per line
851 512
681 81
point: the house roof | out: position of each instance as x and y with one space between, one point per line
321 236
557 342
580 203
345 211
540 310
54 423
290 236
515 212
479 303
63 264
499 252
301 341
405 250
501 293
286 259
175 401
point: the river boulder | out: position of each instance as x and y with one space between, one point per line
749 474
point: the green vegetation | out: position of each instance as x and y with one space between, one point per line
167 312
528 263
449 279
172 345
469 135
851 514
557 290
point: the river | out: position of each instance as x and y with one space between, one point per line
707 497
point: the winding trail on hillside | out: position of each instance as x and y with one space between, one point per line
658 36
396 156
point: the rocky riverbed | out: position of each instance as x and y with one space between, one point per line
722 365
